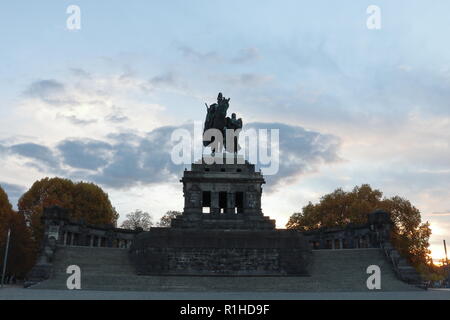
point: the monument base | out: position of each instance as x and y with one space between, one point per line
171 251
223 221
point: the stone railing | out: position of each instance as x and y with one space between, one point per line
402 268
353 236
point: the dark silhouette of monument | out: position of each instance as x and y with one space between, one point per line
222 231
216 118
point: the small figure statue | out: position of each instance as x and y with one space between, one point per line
233 124
210 111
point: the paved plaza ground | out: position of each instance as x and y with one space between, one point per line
15 293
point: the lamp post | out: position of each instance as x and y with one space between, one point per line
447 269
5 259
445 249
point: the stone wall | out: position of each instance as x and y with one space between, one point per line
219 252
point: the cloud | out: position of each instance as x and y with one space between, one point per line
164 79
197 56
243 56
81 73
140 160
131 159
42 88
77 121
116 115
49 91
79 106
85 154
442 213
301 151
147 159
41 154
117 118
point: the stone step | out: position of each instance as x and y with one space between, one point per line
162 283
332 270
93 260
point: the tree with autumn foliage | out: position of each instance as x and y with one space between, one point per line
5 211
5 216
166 219
85 201
22 249
410 236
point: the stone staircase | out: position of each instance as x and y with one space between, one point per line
332 270
107 261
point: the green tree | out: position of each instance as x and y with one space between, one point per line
410 236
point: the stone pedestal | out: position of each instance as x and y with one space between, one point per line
223 195
169 251
222 230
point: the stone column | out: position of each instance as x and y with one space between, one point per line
215 202
193 200
231 203
91 241
250 202
72 238
65 238
258 203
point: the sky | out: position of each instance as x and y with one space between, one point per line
354 105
